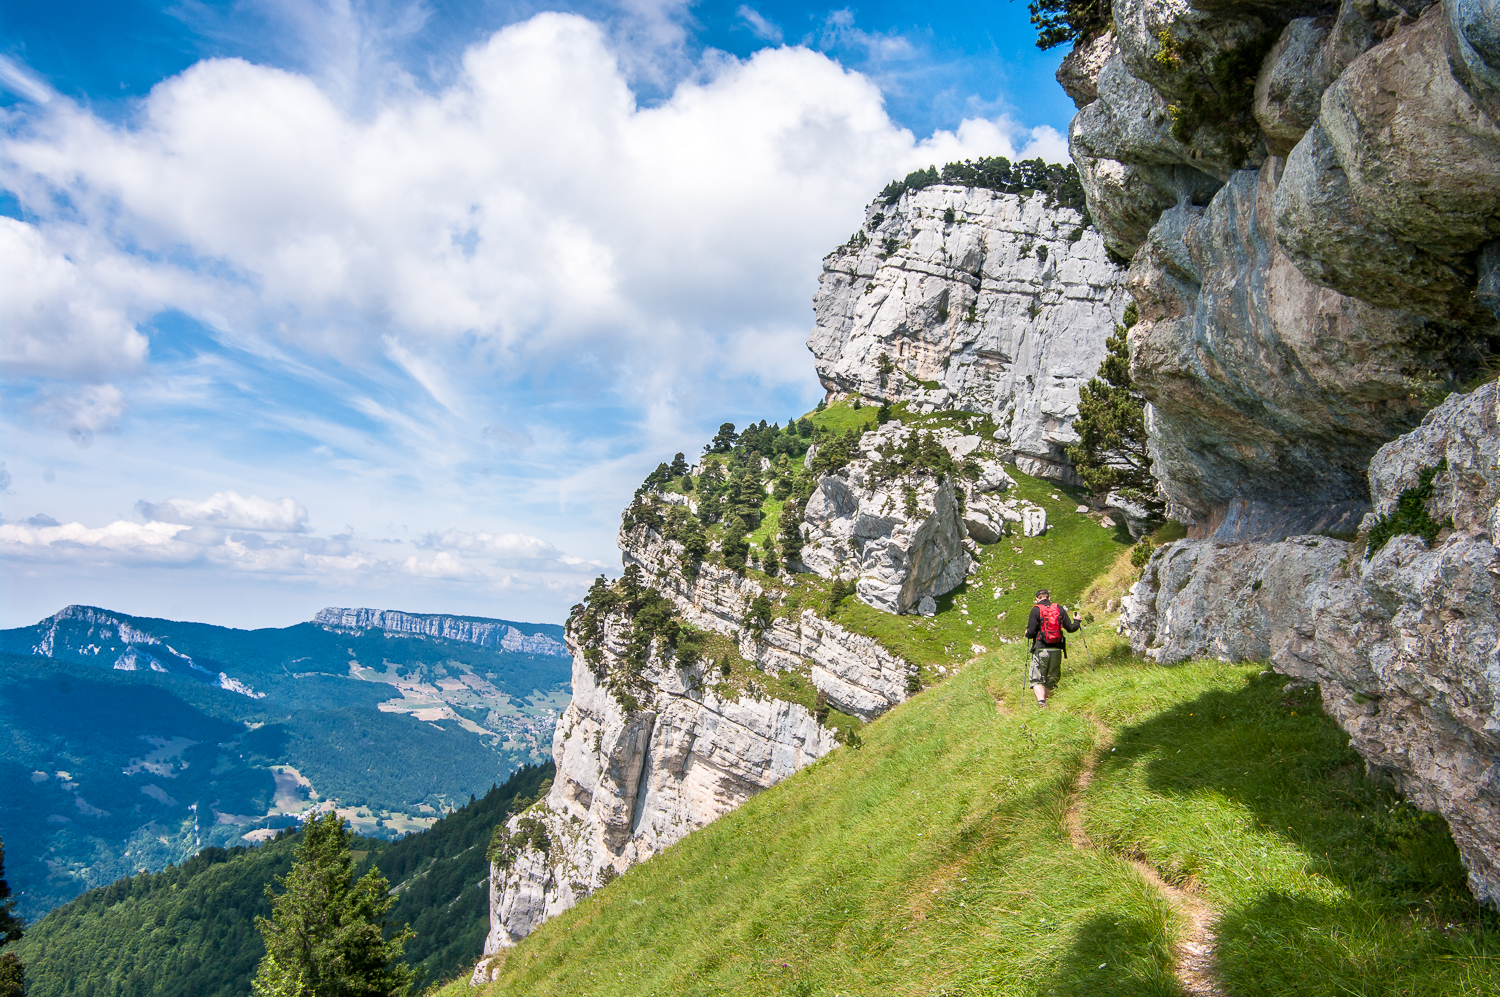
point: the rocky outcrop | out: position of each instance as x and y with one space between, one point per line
858 675
1405 644
900 535
486 633
1265 387
982 302
1296 312
637 773
1238 602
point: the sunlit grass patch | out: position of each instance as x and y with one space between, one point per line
933 859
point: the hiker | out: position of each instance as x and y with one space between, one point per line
1044 628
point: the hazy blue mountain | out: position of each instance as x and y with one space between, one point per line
127 743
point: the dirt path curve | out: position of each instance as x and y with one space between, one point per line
1195 953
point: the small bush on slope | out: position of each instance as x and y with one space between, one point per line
934 859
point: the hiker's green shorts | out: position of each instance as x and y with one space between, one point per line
1046 666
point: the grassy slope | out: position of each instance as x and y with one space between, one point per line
933 859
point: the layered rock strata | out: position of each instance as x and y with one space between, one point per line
1303 255
983 302
632 780
492 633
1405 644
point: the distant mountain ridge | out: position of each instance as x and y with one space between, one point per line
130 742
474 630
132 658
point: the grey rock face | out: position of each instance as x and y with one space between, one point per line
1330 235
1474 50
1004 311
1409 165
1138 515
1239 602
1264 386
1289 89
1080 68
1406 645
1266 390
861 527
1298 320
630 783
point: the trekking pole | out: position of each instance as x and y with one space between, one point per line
1086 649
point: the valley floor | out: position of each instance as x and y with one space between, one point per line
1195 829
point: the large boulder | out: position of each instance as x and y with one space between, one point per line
1238 602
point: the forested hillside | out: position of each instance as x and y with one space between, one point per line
129 743
189 931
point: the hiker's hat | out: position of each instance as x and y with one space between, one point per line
1043 594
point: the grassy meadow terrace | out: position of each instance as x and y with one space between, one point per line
936 858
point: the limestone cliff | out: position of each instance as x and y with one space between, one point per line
486 633
992 303
901 536
1310 197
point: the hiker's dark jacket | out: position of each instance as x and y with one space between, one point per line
1034 628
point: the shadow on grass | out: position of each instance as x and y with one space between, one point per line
1279 754
1114 956
1284 944
1407 923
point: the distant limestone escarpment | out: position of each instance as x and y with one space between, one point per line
1314 240
486 633
967 299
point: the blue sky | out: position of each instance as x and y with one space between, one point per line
394 304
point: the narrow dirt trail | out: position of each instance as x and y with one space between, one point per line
1194 968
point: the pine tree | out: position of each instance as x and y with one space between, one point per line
1061 21
326 935
12 975
1111 452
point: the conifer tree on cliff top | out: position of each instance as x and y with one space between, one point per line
12 976
1111 424
326 936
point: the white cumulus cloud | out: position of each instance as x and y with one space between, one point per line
530 213
230 510
58 318
443 565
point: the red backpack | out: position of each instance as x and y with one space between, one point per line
1051 623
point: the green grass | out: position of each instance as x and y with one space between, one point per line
1074 551
841 416
933 860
